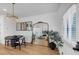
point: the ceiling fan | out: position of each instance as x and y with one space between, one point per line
12 15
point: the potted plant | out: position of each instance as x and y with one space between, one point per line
55 38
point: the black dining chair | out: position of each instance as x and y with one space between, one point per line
23 41
15 42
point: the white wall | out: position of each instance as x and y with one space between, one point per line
1 30
26 34
50 18
8 27
63 8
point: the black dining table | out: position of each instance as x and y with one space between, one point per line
9 40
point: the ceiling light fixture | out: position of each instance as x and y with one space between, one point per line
5 10
13 11
12 15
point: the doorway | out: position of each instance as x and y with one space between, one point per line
40 33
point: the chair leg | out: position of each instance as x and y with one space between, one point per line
5 43
19 47
15 47
25 44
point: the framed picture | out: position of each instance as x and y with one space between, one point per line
24 26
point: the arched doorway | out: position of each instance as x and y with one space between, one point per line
40 33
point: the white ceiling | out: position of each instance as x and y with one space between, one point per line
29 9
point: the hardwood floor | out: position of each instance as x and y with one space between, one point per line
28 50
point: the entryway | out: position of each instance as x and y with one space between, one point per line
40 33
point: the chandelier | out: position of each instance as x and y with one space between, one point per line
13 12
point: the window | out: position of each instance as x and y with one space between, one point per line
73 27
70 23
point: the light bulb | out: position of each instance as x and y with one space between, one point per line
5 10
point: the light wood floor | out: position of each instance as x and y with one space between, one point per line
29 50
